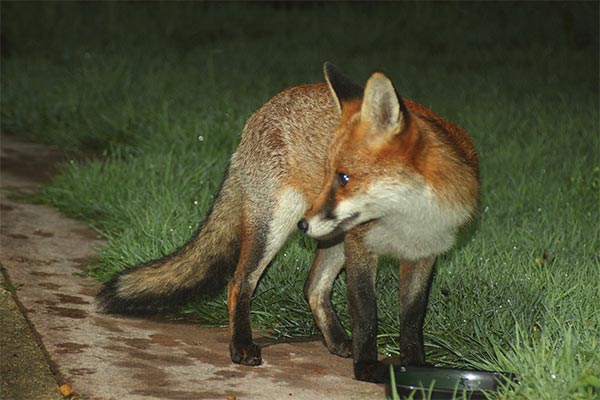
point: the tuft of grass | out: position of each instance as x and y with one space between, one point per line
157 95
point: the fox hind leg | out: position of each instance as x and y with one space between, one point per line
250 266
318 288
263 234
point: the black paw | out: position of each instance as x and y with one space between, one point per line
248 354
342 349
371 371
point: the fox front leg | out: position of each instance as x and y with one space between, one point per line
361 272
415 282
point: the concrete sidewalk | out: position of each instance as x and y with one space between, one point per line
107 357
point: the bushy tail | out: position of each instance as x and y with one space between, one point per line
200 267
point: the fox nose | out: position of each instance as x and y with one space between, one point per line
303 225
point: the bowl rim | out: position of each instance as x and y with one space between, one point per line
409 379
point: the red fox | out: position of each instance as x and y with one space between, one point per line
363 171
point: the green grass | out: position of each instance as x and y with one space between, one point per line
132 87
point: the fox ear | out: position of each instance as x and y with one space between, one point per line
382 108
342 88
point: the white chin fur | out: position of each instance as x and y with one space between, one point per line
320 227
413 222
349 213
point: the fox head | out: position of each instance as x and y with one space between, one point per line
376 163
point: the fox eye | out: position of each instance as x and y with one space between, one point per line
343 179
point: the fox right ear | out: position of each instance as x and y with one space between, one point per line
342 88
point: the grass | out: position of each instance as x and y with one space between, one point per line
158 94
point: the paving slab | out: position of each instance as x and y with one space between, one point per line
24 367
106 357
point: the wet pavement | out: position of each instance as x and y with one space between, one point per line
105 357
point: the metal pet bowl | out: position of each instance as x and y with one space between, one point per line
443 383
